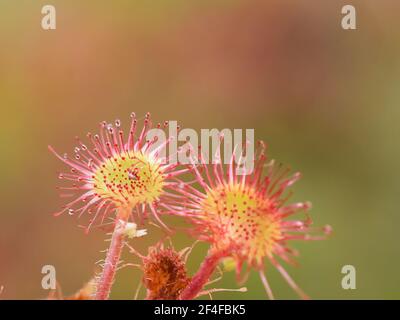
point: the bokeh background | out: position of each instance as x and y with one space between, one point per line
326 100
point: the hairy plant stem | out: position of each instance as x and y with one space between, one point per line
106 279
203 275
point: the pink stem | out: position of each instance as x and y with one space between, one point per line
203 274
110 265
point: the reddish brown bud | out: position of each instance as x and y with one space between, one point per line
165 274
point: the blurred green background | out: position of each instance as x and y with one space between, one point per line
326 100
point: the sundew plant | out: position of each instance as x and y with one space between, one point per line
246 219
